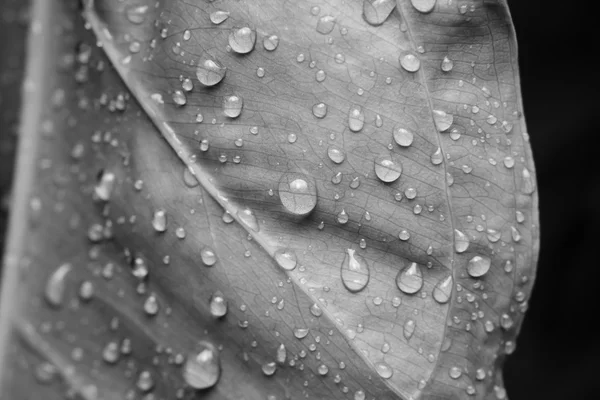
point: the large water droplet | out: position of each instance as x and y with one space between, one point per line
478 266
384 370
447 64
189 178
242 40
410 279
386 169
159 220
218 305
104 188
248 218
219 16
336 154
409 61
356 118
232 106
403 136
443 290
202 369
271 42
461 241
409 328
54 291
424 6
320 110
269 368
208 256
210 72
354 271
377 11
298 193
443 121
325 24
286 258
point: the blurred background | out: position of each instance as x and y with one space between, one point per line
559 342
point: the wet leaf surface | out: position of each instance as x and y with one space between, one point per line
298 200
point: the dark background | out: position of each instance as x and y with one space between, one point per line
559 342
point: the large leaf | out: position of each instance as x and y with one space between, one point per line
356 187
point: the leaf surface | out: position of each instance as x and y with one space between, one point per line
372 208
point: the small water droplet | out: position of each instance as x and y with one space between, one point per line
298 193
386 169
443 121
356 118
286 258
336 154
437 157
342 217
281 354
271 42
409 61
409 328
478 266
410 279
208 256
403 136
384 370
159 220
527 182
355 271
219 16
232 106
218 305
54 291
210 72
322 369
320 110
443 290
151 305
447 64
269 368
325 24
136 14
320 75
300 333
316 310
377 11
242 40
455 373
104 188
461 241
202 369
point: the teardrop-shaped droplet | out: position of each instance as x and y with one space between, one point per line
159 220
443 121
424 6
208 256
403 136
527 182
320 110
356 118
461 241
232 106
189 178
286 258
54 291
325 24
336 154
281 354
269 368
384 370
218 305
386 169
104 188
298 193
248 218
210 72
355 271
316 310
342 217
242 40
219 16
410 279
443 290
202 369
409 61
377 11
478 266
179 98
271 42
447 64
409 328
437 157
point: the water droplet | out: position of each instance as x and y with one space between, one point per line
111 353
443 290
409 328
384 370
320 75
442 120
298 193
359 395
335 154
322 369
242 40
159 220
232 106
219 16
354 271
342 217
151 305
447 64
210 72
403 136
208 256
377 11
54 292
202 369
269 368
386 169
356 118
325 24
461 241
424 6
410 279
527 182
281 354
455 373
105 186
409 61
320 110
145 381
437 157
300 333
286 258
136 14
478 266
271 42
218 305
187 85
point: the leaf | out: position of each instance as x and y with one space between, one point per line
356 188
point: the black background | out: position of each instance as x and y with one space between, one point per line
559 342
559 345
